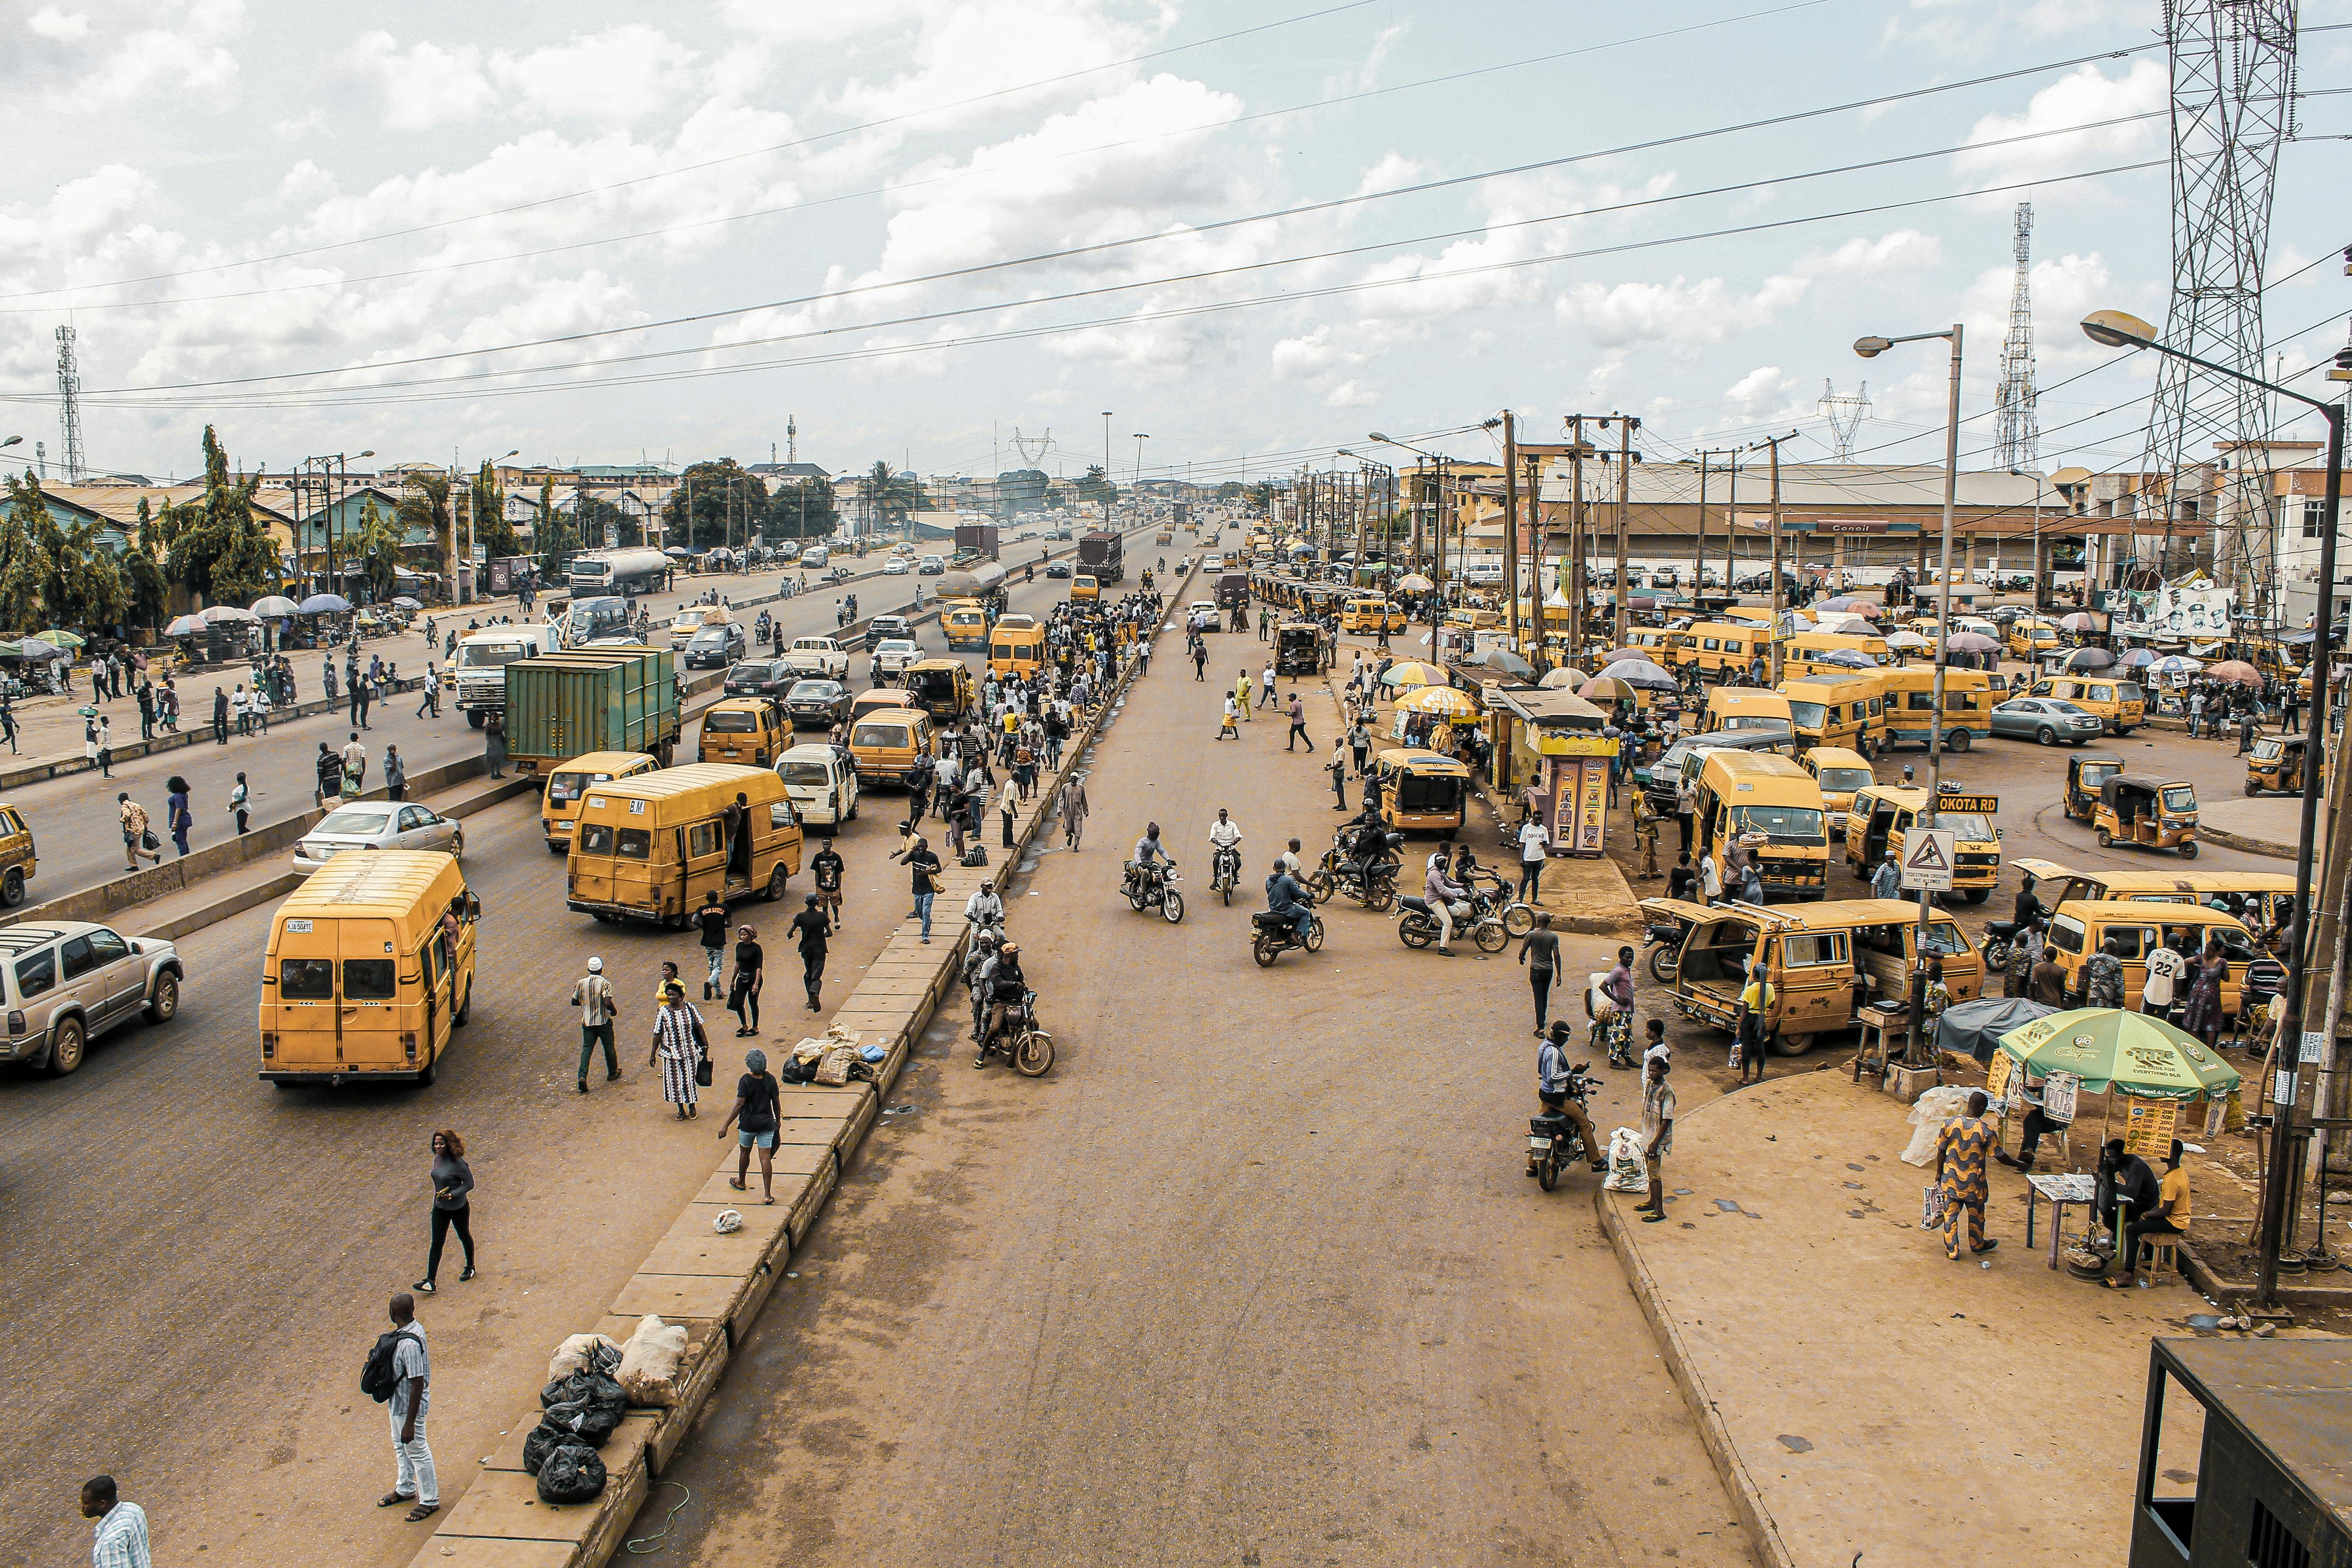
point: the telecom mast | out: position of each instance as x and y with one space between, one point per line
791 440
70 405
2232 105
1846 416
2018 447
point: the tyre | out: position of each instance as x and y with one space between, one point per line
1996 956
2105 838
464 1007
1781 1045
1519 919
1171 906
12 885
1322 884
1315 935
1383 899
1225 891
1547 1172
458 845
1032 1054
1977 895
852 815
1491 937
164 1002
68 1043
475 718
2046 735
2252 789
1666 963
1416 931
1958 741
776 880
1266 949
553 847
424 1074
2188 850
1136 901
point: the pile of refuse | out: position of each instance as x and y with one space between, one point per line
592 1384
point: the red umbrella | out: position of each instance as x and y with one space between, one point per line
2236 670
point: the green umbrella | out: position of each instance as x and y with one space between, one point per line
2107 1047
58 638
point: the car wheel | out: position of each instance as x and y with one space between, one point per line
68 1045
457 844
164 1002
1958 741
2046 735
12 886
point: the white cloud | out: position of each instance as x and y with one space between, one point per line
1758 386
615 78
130 50
423 86
2082 96
1350 394
59 26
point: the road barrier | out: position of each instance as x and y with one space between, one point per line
173 740
715 1285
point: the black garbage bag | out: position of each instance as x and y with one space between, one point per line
543 1441
572 1474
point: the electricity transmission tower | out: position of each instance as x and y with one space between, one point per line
2232 105
1033 449
1846 416
2018 443
69 403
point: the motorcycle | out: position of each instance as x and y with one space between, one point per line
1374 887
1666 936
1225 871
1613 1027
1274 936
1553 1141
1419 926
1029 1048
1519 919
1999 935
1152 887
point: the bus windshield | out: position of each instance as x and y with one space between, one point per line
1970 826
1808 715
476 656
1845 780
1782 824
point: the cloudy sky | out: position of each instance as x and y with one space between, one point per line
599 232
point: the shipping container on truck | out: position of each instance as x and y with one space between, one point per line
977 537
591 700
1102 555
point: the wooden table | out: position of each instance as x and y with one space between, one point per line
2061 1191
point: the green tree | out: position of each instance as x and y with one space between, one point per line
715 502
424 503
22 570
801 509
592 514
212 544
551 533
150 589
893 496
1261 498
492 532
1095 489
375 549
82 586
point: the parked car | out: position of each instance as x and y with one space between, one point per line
818 704
716 647
2047 720
1058 569
378 824
771 679
68 981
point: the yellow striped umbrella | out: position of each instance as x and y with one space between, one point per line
1443 699
1412 672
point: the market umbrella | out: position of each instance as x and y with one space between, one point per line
405 603
58 637
227 614
1614 654
2089 658
1414 583
2080 621
1439 699
2236 670
1970 642
40 652
2107 1048
1975 1028
1606 689
1843 603
678 552
2176 664
1641 672
324 604
1510 664
1847 659
2135 657
1567 676
1907 638
1412 672
187 626
276 605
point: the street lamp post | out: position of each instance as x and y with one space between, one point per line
1437 515
2114 329
1915 1043
1106 480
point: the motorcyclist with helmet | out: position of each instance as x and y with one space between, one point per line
1149 856
1007 986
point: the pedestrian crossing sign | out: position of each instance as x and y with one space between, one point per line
1927 859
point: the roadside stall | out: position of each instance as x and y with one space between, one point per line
1552 739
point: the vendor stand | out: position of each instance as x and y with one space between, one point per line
1551 739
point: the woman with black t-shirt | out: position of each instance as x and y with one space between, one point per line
743 997
757 1099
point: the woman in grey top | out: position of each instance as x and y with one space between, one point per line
453 1181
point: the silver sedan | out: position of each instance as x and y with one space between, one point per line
2047 720
377 824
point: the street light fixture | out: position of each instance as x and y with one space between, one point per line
1915 1043
2119 330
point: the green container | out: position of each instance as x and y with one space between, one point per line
590 699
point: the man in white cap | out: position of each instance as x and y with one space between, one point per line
593 997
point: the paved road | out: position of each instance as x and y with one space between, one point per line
74 818
1253 1277
198 1262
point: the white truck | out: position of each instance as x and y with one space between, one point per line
821 657
480 670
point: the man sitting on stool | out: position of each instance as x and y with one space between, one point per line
2169 1217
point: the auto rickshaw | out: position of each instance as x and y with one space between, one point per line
1300 647
2085 772
2149 811
2275 763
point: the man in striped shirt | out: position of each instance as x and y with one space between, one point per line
120 1541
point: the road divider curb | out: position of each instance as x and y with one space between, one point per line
715 1285
176 739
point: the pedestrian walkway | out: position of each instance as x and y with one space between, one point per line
2266 824
1861 1393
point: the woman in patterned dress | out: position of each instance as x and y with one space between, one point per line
678 1046
2203 1017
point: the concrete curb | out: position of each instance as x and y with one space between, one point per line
176 739
1763 1534
2251 845
715 1285
2222 1291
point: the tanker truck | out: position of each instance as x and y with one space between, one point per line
612 571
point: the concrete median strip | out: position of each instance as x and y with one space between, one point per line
715 1285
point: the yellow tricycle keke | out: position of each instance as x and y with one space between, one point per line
2148 811
2275 764
2085 772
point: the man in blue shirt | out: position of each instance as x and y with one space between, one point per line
1285 898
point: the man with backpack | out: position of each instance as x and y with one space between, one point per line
399 1374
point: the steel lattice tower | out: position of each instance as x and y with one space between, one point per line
70 405
1846 416
2019 445
2232 105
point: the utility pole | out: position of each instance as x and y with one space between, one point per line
1626 458
1576 525
1772 641
1511 528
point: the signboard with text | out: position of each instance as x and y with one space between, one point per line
1928 858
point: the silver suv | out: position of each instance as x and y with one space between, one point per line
68 982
